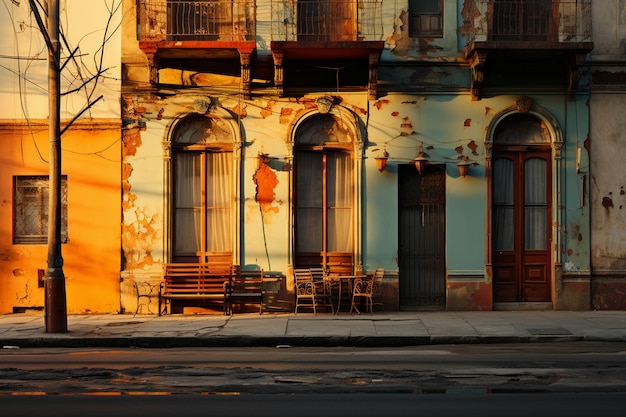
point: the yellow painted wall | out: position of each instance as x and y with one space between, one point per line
91 161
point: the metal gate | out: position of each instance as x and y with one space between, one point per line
421 235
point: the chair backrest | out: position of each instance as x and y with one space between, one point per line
363 286
318 273
303 283
377 285
302 275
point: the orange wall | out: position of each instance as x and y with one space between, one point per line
91 161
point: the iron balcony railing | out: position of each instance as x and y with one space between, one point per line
220 20
326 20
532 21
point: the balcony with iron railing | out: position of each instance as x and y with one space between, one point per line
554 35
532 22
208 20
326 20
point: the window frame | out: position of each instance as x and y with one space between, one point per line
203 149
40 209
415 17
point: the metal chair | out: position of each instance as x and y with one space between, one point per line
305 289
145 292
377 287
323 291
362 290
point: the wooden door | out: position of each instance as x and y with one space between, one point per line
421 234
521 226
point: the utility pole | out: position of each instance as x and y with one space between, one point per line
55 303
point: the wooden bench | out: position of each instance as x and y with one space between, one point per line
194 281
245 286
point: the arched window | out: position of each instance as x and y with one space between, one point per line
324 194
202 203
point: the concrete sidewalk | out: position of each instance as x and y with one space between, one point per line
377 330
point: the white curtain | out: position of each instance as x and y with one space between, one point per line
218 207
311 211
503 192
310 194
189 206
339 180
535 204
188 203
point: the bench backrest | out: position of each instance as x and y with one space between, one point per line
191 278
247 282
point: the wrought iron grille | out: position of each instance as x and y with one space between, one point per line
533 20
197 20
31 210
326 20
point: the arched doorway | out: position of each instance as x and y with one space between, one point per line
202 199
521 209
324 194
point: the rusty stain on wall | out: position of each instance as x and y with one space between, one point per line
285 115
469 13
266 181
359 110
240 111
267 110
132 140
380 103
424 47
473 147
607 202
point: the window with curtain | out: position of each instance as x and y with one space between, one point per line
324 202
503 205
535 204
202 195
323 191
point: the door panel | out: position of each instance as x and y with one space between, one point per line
421 246
521 209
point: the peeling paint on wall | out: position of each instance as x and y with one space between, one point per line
266 181
381 103
140 233
470 15
267 111
285 115
473 147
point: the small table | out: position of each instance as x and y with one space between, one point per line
341 279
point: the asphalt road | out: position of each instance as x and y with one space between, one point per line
562 368
318 405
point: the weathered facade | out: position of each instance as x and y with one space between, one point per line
607 189
462 145
91 191
278 134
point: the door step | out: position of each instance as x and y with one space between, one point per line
522 306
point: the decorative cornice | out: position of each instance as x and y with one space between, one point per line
36 125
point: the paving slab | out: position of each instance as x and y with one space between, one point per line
384 329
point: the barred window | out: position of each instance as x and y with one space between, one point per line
30 208
425 18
